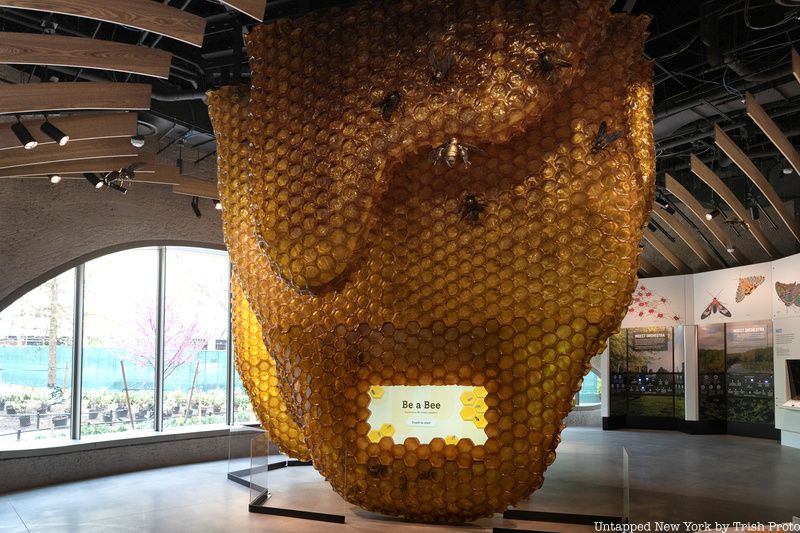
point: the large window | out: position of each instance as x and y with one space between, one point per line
132 302
119 342
36 363
195 337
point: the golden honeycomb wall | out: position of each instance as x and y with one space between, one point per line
351 248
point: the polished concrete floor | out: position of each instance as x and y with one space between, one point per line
673 478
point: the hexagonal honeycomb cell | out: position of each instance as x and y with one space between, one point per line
362 266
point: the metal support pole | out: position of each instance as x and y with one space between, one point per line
160 312
231 381
77 355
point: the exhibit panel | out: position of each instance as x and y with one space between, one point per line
787 379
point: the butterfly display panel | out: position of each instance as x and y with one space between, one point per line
711 372
733 295
750 372
785 287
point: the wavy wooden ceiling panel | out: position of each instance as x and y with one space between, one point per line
58 50
38 97
680 192
648 268
712 180
252 8
668 254
145 15
53 153
694 245
78 127
771 130
196 187
751 171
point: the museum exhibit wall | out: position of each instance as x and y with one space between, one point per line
46 229
708 352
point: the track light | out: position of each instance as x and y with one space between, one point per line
23 135
217 205
652 227
53 132
196 206
117 187
54 178
730 249
788 170
94 180
137 141
712 214
754 212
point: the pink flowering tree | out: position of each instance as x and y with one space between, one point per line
180 344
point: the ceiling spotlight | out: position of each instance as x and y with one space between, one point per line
712 214
117 187
730 249
53 132
137 141
196 206
217 205
94 180
652 227
23 135
788 170
754 213
54 178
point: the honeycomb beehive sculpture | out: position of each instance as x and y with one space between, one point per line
351 246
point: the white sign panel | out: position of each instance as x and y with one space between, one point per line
785 287
657 302
733 295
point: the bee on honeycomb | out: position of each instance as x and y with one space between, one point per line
349 249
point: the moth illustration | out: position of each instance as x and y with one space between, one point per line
747 286
714 307
789 293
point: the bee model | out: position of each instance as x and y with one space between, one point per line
440 67
471 208
451 149
602 138
390 103
548 63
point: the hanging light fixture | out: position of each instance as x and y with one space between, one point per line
53 132
117 187
94 180
196 206
54 178
23 135
217 205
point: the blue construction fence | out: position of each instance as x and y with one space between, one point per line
27 366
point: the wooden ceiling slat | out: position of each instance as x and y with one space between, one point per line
694 245
768 126
661 248
647 267
252 8
58 50
680 192
146 15
79 128
79 166
712 180
74 151
796 64
37 97
751 171
196 187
